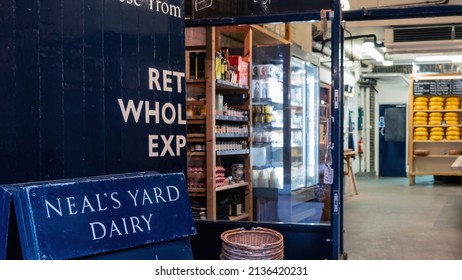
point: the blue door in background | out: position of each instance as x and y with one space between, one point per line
392 140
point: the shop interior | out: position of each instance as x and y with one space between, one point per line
289 186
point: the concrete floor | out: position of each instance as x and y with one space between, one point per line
390 220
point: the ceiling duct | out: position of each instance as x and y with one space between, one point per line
418 39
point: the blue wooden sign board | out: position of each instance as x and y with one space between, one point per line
138 216
5 203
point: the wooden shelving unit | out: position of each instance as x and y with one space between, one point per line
438 162
239 37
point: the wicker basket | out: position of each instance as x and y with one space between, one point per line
255 244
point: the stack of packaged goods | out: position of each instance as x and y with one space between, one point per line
435 118
453 133
220 179
436 133
452 103
436 103
420 133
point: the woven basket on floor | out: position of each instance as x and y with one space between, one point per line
255 244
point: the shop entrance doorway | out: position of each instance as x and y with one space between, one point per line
392 140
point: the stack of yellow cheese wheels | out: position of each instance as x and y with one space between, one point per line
436 133
435 118
436 103
420 118
451 118
452 103
420 133
453 133
420 103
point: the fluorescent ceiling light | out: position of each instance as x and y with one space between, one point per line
375 54
387 63
454 58
368 44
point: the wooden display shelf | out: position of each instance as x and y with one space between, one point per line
243 216
440 125
438 111
221 84
440 141
445 173
195 102
230 118
232 135
438 156
232 186
234 152
195 81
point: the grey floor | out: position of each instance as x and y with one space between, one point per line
390 220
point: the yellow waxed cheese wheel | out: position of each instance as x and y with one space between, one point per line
436 104
436 138
452 133
420 138
452 107
451 114
420 103
452 123
434 123
452 138
435 107
436 114
420 123
420 129
451 119
435 119
420 108
420 133
437 98
421 114
452 103
453 128
421 99
452 99
436 133
420 119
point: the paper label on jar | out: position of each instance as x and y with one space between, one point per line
329 175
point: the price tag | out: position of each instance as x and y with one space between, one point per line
329 175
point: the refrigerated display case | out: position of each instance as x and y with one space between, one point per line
285 135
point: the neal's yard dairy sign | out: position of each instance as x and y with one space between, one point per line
78 218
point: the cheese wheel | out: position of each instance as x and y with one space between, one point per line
436 138
451 119
435 107
451 133
420 123
436 133
452 138
436 129
451 114
452 99
452 128
452 123
422 114
419 119
452 103
437 98
436 104
452 108
420 138
434 123
435 119
436 114
420 108
420 129
420 99
420 133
